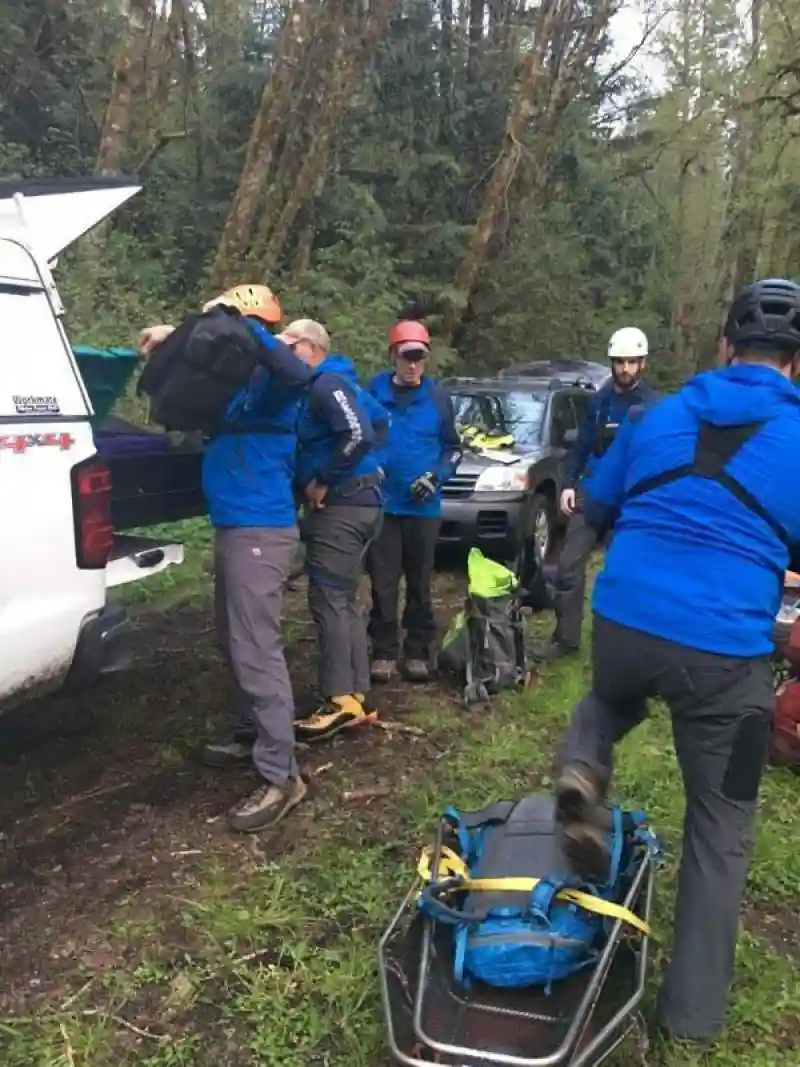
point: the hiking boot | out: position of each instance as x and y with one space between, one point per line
227 754
417 670
267 806
382 671
554 650
335 715
578 810
689 1045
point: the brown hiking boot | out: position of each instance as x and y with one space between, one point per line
267 806
382 671
554 650
578 810
227 754
417 670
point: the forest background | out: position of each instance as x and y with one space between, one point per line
501 167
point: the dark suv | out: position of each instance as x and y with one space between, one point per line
595 374
507 503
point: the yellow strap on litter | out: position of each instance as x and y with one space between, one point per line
452 866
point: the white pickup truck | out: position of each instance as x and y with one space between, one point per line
60 546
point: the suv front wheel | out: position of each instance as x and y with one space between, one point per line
542 525
535 549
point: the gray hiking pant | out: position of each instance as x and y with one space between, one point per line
569 593
251 568
337 538
721 713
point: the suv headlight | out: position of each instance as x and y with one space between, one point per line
502 480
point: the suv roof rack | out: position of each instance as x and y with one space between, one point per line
580 382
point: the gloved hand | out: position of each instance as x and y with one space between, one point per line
424 487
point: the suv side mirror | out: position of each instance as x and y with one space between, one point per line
570 437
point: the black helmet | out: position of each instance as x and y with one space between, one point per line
766 314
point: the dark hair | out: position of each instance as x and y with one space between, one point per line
753 353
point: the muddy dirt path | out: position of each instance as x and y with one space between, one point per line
104 796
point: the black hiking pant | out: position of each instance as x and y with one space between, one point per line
405 547
721 712
569 594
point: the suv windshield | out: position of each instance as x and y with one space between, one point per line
518 413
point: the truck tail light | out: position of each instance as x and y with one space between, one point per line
91 505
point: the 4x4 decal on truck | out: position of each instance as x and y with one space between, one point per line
20 443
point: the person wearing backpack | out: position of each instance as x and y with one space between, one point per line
340 430
248 475
684 610
422 453
607 410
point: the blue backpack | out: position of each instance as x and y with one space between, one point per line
522 918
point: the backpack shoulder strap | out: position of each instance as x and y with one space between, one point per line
715 448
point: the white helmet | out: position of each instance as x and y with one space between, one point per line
628 343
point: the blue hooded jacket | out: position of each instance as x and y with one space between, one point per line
247 477
340 433
690 562
607 408
422 438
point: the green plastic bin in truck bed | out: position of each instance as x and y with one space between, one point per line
106 372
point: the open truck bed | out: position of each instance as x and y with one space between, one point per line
155 477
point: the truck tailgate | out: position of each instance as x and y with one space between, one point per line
134 558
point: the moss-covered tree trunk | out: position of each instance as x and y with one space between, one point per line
564 42
274 115
356 40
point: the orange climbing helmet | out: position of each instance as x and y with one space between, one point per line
409 335
256 300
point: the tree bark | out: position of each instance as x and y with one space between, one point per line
350 64
543 89
744 220
273 115
117 122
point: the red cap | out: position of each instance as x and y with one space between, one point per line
411 333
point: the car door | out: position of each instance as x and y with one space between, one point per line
564 418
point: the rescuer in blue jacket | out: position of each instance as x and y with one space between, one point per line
608 408
340 431
248 478
422 453
701 492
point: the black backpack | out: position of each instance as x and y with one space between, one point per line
192 376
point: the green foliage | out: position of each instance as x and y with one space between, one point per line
634 228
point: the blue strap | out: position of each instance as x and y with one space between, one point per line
542 896
452 815
616 846
459 952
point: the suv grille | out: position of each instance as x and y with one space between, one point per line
460 485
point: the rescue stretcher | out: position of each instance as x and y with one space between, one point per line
578 1023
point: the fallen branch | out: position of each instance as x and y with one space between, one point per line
69 1051
75 996
257 954
400 728
99 1013
369 793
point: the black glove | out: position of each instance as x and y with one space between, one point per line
424 487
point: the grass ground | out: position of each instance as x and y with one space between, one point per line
136 930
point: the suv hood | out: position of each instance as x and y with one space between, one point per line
476 462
